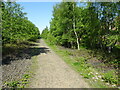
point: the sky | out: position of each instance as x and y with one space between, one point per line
39 13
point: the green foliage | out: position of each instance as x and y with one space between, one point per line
79 64
97 26
26 76
16 28
87 74
45 33
12 84
19 84
61 26
110 77
51 39
94 26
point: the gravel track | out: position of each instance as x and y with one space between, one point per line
53 72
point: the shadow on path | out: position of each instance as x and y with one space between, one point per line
23 54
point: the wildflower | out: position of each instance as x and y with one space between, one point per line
93 77
107 84
99 76
96 73
113 85
96 77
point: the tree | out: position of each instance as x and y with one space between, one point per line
45 33
94 26
16 28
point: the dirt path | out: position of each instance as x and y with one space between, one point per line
53 72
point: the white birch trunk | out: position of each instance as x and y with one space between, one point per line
77 39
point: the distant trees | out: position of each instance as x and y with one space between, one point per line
45 32
95 26
16 28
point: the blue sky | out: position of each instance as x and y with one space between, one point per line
40 13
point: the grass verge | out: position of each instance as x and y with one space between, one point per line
79 61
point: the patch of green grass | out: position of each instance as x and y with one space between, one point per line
110 77
26 76
12 84
18 84
32 71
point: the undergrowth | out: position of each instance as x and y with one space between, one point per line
95 77
20 83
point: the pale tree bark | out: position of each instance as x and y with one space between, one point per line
77 39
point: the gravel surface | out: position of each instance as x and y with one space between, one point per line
14 66
53 72
15 70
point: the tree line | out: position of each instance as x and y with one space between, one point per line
16 28
94 25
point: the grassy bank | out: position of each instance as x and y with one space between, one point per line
96 73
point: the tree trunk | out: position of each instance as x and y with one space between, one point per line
77 39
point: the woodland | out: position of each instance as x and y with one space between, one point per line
95 26
16 28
